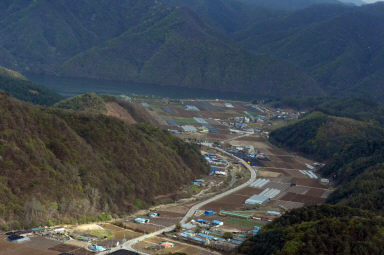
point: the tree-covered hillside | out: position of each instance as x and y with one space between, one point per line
18 86
89 102
108 105
289 4
353 152
64 166
341 47
320 230
186 52
229 16
144 41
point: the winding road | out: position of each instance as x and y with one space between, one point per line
129 244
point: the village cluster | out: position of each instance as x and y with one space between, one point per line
284 181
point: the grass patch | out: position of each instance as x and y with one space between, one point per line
102 233
194 189
184 120
242 222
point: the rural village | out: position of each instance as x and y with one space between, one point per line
251 183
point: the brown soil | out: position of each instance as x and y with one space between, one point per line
41 242
64 248
302 198
307 182
299 190
231 202
315 192
142 228
7 248
249 191
115 110
268 174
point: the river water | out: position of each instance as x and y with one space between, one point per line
74 86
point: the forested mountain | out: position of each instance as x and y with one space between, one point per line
354 108
144 41
320 230
129 112
340 47
66 166
229 16
353 151
354 156
271 48
289 4
18 86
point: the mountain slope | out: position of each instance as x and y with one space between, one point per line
143 41
109 106
65 166
18 86
289 4
353 151
186 52
354 157
228 15
342 51
319 230
40 35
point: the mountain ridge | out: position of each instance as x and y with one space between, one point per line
150 42
70 167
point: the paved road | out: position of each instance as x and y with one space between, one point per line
234 138
128 245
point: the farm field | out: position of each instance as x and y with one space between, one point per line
151 246
75 250
7 248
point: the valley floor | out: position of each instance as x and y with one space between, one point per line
287 180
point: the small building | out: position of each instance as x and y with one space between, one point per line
83 238
38 230
208 212
273 213
324 181
217 223
200 120
17 239
191 108
201 221
58 229
153 214
255 230
95 247
141 220
220 173
256 200
189 128
167 245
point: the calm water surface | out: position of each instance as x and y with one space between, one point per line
74 86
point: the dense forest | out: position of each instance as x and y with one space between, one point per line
19 87
59 166
321 229
351 144
143 41
264 48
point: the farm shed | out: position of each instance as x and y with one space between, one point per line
141 220
217 223
256 200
